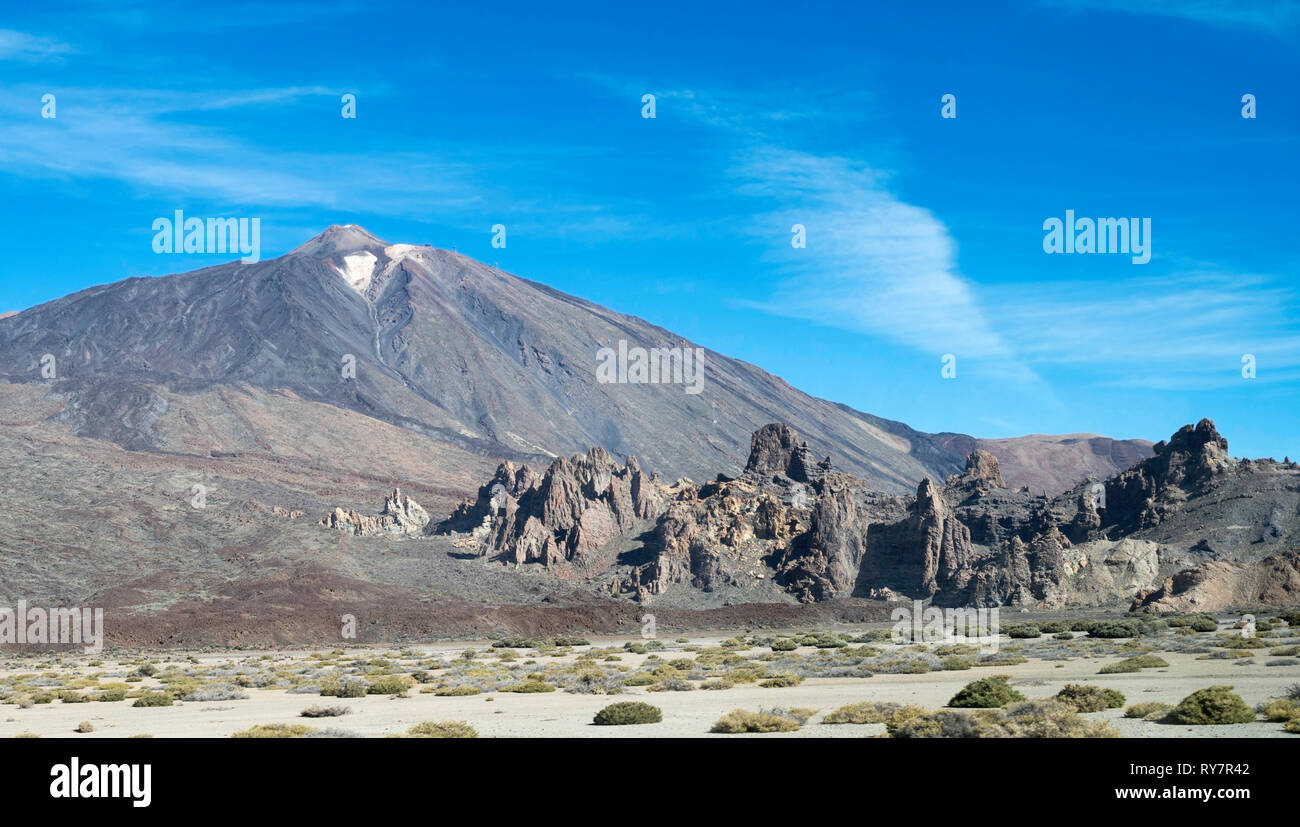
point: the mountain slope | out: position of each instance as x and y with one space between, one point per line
480 360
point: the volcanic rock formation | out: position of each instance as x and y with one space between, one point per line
818 534
400 516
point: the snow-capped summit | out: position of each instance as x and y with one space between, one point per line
345 239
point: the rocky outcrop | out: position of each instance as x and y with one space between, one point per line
1190 463
775 450
793 524
1218 585
825 562
923 552
980 477
1022 573
401 517
566 515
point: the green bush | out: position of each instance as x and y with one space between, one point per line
344 689
640 679
1026 631
956 663
390 685
153 699
114 694
784 644
1117 629
1213 705
1291 616
779 681
1089 698
515 642
986 693
829 640
628 712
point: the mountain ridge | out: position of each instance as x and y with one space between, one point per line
482 360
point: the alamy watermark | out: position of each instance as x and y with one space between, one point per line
651 366
25 625
1130 236
179 234
921 624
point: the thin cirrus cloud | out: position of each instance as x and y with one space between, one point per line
140 137
30 48
1182 331
872 264
878 265
1269 16
134 136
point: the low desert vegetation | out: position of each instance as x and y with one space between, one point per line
324 711
1213 705
274 731
1028 719
739 720
216 692
1118 629
1024 632
1279 710
746 659
869 712
1149 711
626 713
344 689
1083 698
1135 664
390 685
454 691
532 684
986 693
442 729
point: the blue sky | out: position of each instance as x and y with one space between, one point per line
924 234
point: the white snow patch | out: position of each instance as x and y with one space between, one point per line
358 269
397 251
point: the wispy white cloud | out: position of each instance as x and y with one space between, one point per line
1276 16
1186 330
133 136
873 263
22 46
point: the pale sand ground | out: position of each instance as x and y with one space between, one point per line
686 714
